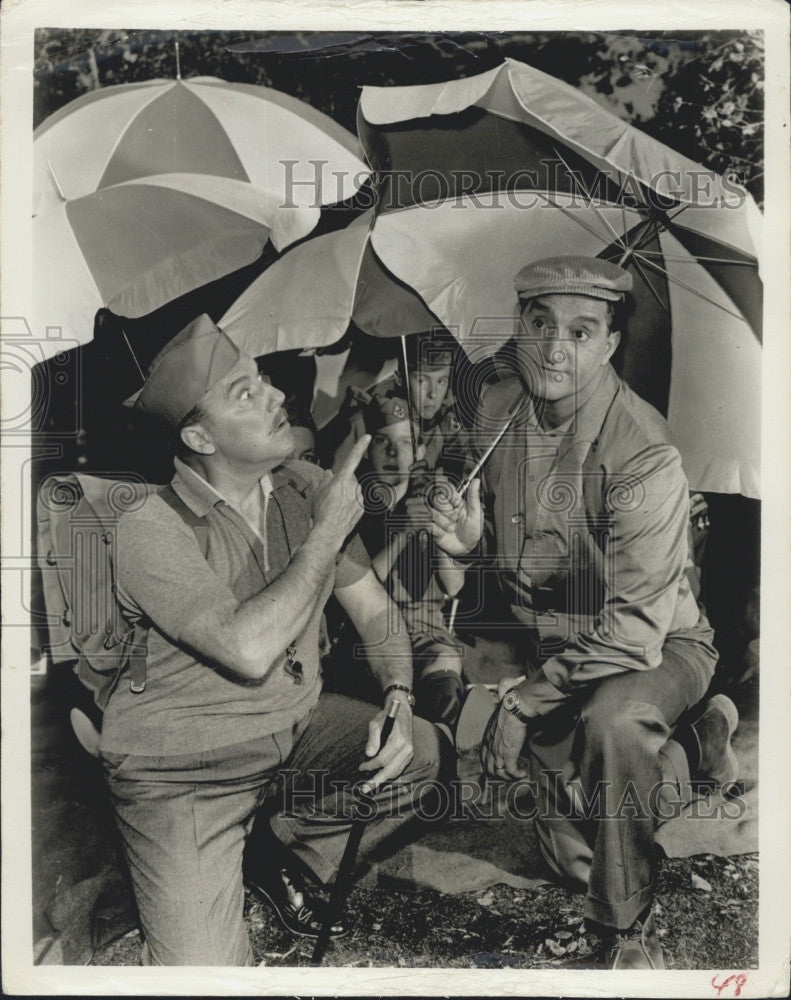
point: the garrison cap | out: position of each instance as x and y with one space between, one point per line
184 371
385 409
591 276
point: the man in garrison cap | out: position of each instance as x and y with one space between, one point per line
586 509
230 567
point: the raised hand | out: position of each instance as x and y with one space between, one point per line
337 500
456 522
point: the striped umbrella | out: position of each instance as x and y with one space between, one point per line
200 125
309 297
479 176
186 182
133 247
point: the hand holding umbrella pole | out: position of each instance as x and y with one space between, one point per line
338 896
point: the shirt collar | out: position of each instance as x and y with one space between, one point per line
198 494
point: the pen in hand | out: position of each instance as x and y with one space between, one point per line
389 722
387 729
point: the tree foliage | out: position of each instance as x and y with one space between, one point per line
699 92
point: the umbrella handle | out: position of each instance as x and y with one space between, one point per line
337 898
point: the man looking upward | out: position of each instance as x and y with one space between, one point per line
229 568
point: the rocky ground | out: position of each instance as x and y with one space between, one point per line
707 916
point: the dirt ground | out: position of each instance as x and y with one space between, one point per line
707 913
523 929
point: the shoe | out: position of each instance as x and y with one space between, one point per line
638 947
476 711
295 907
711 743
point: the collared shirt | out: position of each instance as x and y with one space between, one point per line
587 528
200 485
163 576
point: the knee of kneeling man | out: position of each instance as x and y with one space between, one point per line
621 725
427 749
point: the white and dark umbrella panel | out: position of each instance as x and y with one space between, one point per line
477 177
200 125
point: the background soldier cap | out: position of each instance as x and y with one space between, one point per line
598 279
383 410
184 371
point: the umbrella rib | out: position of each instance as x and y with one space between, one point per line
651 288
695 291
651 232
565 211
56 182
617 239
134 356
675 215
711 260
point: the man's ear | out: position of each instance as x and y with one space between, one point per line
198 439
613 340
421 452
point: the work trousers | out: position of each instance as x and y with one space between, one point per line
184 820
607 773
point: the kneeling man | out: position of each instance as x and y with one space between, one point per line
586 510
229 568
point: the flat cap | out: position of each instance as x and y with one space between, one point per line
184 371
591 276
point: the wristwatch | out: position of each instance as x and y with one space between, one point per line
511 704
409 697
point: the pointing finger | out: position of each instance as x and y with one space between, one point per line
354 457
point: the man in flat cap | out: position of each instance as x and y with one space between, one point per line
586 515
229 567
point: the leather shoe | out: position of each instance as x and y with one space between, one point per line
708 742
296 908
638 947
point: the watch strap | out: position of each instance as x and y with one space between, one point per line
512 695
410 698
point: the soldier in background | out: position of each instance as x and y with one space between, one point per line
431 361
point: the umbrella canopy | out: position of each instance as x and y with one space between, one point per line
135 246
308 298
203 125
480 176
